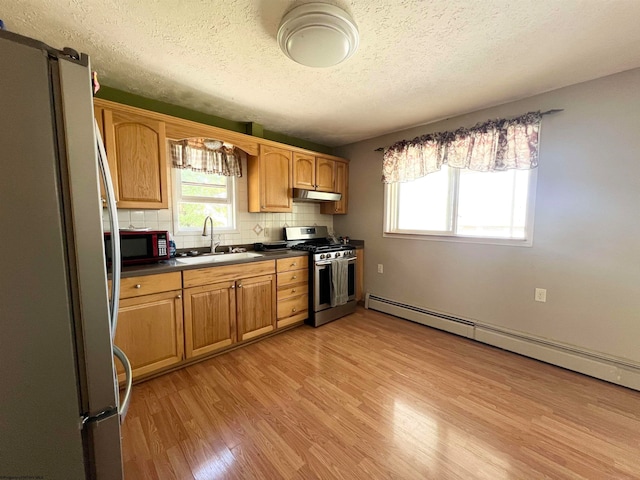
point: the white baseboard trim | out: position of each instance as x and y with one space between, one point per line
618 371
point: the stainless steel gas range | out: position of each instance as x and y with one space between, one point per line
332 273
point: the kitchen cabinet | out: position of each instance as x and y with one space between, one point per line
150 327
209 318
313 173
136 150
359 275
256 306
270 180
293 290
341 186
228 304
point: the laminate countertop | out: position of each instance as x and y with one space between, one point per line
176 265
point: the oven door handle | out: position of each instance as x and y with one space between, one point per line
323 263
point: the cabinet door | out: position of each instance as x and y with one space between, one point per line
256 305
150 332
304 171
209 318
276 178
136 147
325 175
342 186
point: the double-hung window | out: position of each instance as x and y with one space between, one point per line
198 195
463 205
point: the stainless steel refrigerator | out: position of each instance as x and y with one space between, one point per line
60 409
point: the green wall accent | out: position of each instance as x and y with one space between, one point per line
298 142
255 129
251 128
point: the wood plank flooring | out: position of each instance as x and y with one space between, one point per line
371 396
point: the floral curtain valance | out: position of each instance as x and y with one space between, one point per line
494 145
205 155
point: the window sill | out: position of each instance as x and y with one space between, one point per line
511 242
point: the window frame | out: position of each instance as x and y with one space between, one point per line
391 213
232 200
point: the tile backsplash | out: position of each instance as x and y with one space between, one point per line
250 227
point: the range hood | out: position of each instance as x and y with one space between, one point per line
302 195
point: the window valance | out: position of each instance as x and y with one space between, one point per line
499 144
206 155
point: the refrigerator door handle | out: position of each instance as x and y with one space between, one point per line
124 405
115 229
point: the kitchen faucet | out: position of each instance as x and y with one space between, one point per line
214 244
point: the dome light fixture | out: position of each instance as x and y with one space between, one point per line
318 35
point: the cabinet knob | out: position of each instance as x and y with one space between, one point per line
232 287
138 286
240 285
104 200
293 290
294 264
294 277
293 309
178 296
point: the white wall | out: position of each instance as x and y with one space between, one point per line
251 227
586 244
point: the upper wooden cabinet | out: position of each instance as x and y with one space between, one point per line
342 186
313 173
270 179
137 154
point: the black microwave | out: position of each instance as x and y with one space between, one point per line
138 247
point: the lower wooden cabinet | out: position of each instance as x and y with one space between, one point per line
209 318
222 306
228 304
256 306
293 288
150 332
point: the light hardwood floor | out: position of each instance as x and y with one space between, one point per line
371 396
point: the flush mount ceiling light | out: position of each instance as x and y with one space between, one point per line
318 35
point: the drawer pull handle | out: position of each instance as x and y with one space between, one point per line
293 309
293 291
294 277
178 296
293 264
138 286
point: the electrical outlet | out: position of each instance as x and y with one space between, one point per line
380 268
541 295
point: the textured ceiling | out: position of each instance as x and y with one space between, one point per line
418 61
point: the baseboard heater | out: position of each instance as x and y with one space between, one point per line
595 364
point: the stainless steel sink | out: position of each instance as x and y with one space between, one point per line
220 258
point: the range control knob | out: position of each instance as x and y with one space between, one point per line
337 254
328 255
321 256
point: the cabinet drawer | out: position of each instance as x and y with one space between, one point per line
292 278
225 273
292 263
292 291
293 306
148 284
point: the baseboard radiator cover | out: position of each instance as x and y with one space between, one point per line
618 371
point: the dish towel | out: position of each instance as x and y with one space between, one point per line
339 281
